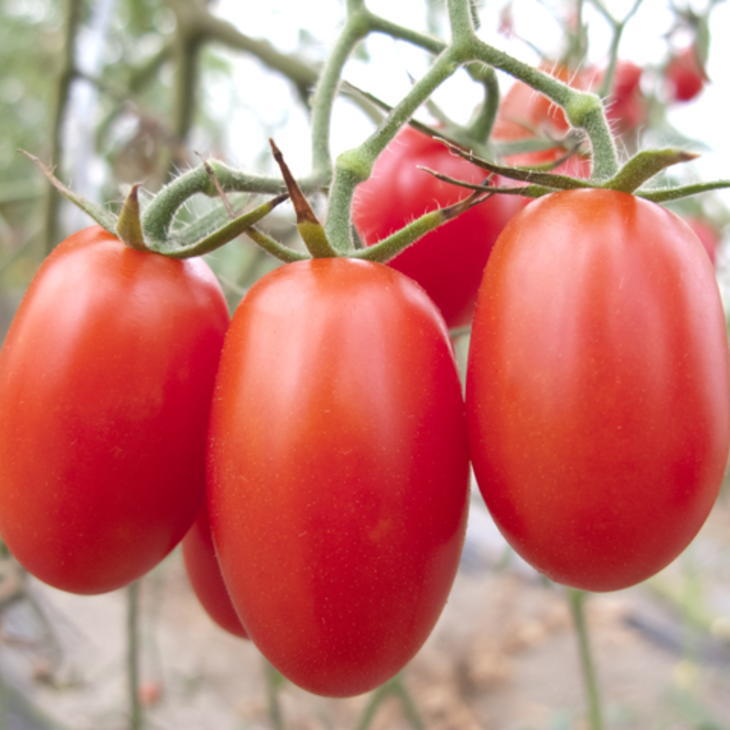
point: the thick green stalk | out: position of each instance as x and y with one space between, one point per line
583 109
354 166
460 20
158 215
356 28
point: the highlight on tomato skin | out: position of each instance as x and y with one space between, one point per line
448 261
106 378
597 387
338 471
204 574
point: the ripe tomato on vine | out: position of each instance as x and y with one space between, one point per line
597 389
448 261
338 470
106 376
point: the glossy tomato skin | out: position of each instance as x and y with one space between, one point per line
204 574
106 378
338 471
448 261
707 233
597 387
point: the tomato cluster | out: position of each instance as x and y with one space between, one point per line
312 452
336 448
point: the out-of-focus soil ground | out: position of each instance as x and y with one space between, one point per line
502 657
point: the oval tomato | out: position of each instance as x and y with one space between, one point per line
447 262
597 387
204 574
338 471
106 377
685 75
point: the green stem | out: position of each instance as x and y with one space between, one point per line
410 710
644 165
481 125
617 26
662 196
395 687
460 20
135 706
216 30
377 697
158 215
72 20
354 166
583 109
184 246
272 246
379 24
392 245
577 600
273 683
356 28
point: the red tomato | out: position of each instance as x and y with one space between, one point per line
106 377
685 76
626 107
338 471
204 573
525 113
597 387
708 235
448 262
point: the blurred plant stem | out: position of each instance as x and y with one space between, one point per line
136 720
393 687
274 681
72 16
577 599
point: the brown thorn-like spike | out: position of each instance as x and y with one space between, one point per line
301 204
